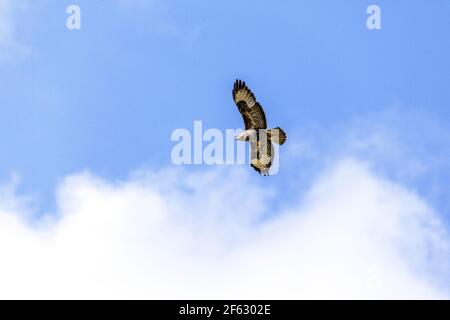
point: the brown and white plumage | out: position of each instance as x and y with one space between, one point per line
251 110
256 132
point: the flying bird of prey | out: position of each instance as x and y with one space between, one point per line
256 132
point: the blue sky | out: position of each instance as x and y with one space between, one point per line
107 97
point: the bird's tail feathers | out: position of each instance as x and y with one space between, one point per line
277 135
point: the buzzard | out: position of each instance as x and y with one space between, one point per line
256 132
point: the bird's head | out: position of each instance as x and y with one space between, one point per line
241 137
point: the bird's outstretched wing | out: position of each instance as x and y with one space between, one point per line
251 110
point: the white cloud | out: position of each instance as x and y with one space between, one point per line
10 47
175 234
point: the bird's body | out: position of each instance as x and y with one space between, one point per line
256 132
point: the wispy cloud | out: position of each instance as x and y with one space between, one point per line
174 234
410 145
157 17
10 46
